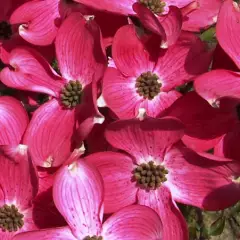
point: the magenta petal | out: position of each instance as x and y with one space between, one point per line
79 50
183 61
172 24
137 222
149 20
218 83
200 180
18 178
78 195
39 21
63 233
201 115
13 121
116 170
30 71
124 7
120 94
174 224
130 54
200 145
147 139
228 28
228 146
87 113
203 17
49 134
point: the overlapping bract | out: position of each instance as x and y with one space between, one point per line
126 98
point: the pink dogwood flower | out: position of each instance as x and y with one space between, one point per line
158 170
161 17
18 180
78 194
145 76
50 135
125 6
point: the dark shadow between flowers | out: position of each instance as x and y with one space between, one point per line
45 214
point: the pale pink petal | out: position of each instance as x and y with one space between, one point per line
78 195
145 140
18 179
116 170
13 121
28 70
49 134
174 224
186 59
130 54
227 29
39 21
63 233
123 7
203 17
217 84
149 20
228 146
120 94
79 50
200 180
160 103
133 222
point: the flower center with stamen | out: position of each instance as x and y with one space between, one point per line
147 85
71 94
156 6
93 238
10 218
5 30
149 175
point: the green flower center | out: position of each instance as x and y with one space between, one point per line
93 238
147 85
149 175
71 94
10 218
156 6
5 30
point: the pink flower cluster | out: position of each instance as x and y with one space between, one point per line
113 109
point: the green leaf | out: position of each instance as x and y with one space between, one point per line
209 35
217 227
